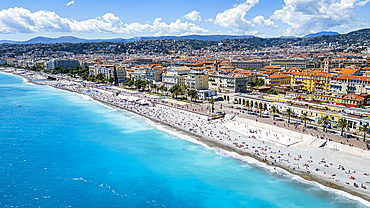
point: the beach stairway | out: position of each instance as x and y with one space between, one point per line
317 142
229 116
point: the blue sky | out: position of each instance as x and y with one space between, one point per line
25 19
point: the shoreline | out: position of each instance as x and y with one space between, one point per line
231 148
213 144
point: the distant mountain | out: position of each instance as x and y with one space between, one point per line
312 35
199 37
71 39
62 39
288 37
7 41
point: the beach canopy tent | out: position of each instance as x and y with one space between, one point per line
143 102
123 97
133 98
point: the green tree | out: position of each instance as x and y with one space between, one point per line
289 112
304 117
100 77
364 128
342 125
206 94
153 86
140 84
324 120
147 83
175 94
273 111
163 88
192 94
186 92
260 82
272 91
111 80
195 97
130 82
260 108
212 101
175 90
247 105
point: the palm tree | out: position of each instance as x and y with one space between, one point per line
175 94
247 105
153 86
147 83
195 97
206 94
364 128
260 108
304 117
212 102
273 111
342 125
324 120
289 112
163 88
186 91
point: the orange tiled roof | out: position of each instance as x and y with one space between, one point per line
353 97
352 77
348 71
278 76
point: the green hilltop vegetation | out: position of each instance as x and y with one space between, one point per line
168 46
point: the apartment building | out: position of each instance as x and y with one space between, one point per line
227 83
346 84
64 63
175 75
289 63
108 72
312 81
343 63
196 81
248 64
278 79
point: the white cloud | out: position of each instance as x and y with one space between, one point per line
362 3
176 28
20 20
304 16
234 17
260 20
251 32
193 16
70 3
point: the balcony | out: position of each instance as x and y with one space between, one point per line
335 84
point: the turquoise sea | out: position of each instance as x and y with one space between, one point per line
60 149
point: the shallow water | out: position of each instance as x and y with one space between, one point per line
60 149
